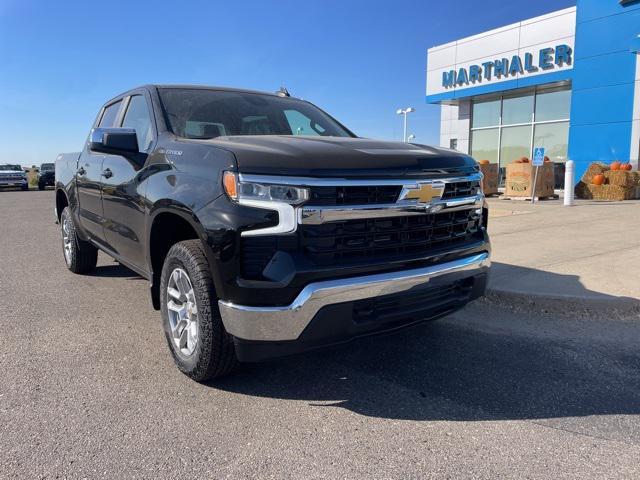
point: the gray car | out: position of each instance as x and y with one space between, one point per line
13 176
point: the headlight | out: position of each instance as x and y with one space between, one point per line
238 190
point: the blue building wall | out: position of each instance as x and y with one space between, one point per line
603 82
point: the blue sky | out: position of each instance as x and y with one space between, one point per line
359 60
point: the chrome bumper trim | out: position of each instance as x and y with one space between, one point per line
319 215
288 322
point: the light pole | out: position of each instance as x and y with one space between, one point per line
404 111
411 137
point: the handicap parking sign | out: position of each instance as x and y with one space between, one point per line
538 156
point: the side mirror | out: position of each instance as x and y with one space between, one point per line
117 141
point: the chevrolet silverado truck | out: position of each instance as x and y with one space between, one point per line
13 176
267 228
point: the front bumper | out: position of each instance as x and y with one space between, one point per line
287 323
13 183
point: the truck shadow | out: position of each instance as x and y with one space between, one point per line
114 270
486 362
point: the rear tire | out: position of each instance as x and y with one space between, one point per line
201 347
41 186
80 256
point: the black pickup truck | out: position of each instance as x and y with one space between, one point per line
267 228
47 175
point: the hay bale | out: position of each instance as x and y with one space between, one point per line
613 193
621 178
593 170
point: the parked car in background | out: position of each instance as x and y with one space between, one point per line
47 177
13 176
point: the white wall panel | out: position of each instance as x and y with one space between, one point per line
484 47
547 29
463 145
441 58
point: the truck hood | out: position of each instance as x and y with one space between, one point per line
337 156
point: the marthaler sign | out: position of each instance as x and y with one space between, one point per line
546 59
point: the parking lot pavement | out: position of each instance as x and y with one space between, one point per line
88 388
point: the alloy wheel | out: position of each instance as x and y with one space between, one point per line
183 312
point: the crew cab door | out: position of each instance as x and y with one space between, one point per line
123 186
89 181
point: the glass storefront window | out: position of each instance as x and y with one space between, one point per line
515 143
554 138
517 110
484 144
553 105
501 129
486 113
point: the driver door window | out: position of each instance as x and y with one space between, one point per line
138 118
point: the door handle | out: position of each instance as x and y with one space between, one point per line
81 171
107 173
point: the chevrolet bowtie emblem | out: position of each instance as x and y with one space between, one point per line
425 193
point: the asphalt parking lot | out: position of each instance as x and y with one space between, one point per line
88 388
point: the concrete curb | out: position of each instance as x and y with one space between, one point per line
567 304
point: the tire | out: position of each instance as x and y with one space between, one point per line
212 352
41 186
80 256
25 188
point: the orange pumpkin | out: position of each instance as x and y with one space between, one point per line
625 166
484 162
524 160
598 179
615 166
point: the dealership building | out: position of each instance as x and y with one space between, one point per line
568 81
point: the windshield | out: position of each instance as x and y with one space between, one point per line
46 167
15 168
200 113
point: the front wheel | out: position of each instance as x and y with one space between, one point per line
80 256
199 344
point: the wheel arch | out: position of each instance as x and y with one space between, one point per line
168 225
62 201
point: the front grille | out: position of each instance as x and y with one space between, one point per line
461 189
356 241
354 195
386 238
